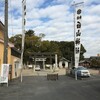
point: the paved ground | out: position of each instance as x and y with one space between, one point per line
30 72
39 88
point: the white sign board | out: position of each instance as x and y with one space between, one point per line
4 73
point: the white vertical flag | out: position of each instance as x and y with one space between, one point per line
23 27
78 25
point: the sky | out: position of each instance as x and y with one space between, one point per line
54 18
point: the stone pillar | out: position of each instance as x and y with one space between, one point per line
43 64
56 63
34 64
50 62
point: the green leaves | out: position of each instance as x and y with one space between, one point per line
34 43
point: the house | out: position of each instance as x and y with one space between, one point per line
13 55
85 63
63 63
95 58
95 61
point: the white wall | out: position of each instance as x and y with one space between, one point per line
60 64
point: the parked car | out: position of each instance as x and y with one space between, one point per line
30 66
80 71
48 66
37 68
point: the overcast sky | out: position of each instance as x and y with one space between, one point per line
54 18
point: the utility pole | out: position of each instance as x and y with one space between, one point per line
5 57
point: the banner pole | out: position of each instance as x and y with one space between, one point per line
23 34
77 31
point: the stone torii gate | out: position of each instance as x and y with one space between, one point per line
43 56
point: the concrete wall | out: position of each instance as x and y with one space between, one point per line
15 62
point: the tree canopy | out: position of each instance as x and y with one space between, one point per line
34 43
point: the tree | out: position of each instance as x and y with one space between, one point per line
17 39
95 63
41 35
34 43
30 33
45 46
82 51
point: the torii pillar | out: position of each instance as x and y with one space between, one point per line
56 62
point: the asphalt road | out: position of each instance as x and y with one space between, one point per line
39 88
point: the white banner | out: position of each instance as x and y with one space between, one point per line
4 73
78 18
23 29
